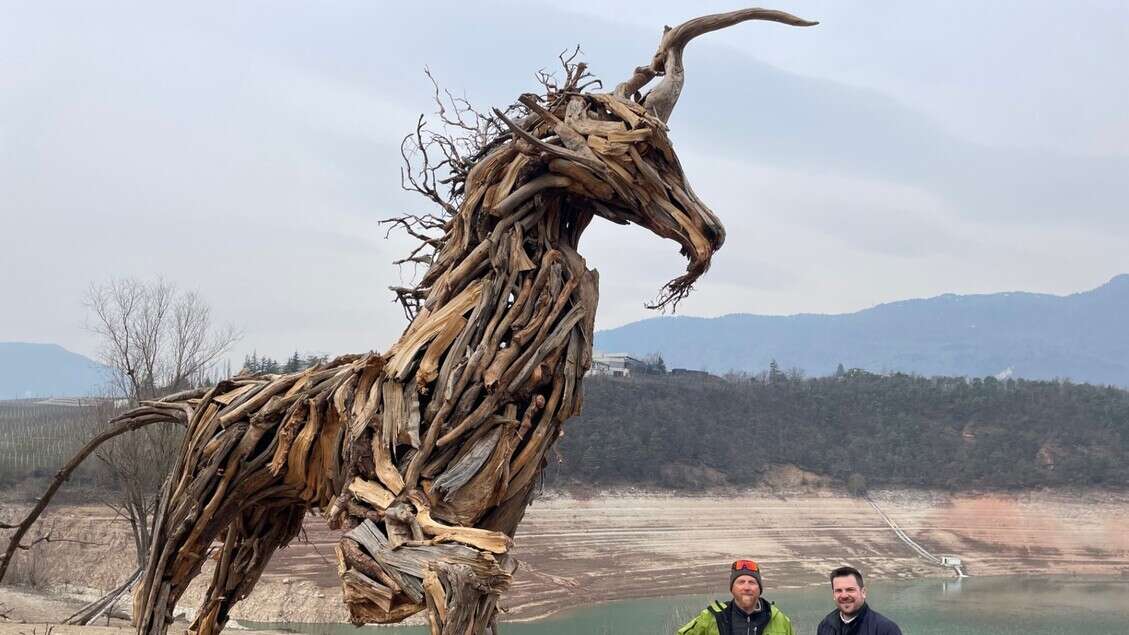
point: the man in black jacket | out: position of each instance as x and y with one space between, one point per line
852 615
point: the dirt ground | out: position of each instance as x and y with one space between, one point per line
575 550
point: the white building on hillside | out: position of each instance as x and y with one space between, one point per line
615 364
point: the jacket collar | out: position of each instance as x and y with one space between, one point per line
859 615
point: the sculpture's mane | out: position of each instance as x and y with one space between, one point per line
581 152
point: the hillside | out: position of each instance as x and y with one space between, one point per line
902 430
1036 336
695 432
47 370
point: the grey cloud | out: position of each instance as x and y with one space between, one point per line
247 150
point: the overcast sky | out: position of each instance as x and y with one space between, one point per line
247 150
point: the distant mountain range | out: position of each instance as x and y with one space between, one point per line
47 370
1083 337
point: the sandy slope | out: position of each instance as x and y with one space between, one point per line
633 546
578 550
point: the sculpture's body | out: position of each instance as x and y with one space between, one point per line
428 455
444 436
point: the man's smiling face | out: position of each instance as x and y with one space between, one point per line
849 594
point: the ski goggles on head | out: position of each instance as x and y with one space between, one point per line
745 564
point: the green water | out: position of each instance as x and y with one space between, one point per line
973 606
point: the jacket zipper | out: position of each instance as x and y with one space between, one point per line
748 621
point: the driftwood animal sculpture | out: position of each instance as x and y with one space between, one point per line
426 456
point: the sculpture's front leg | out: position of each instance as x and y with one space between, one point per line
453 431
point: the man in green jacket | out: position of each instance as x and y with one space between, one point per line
746 614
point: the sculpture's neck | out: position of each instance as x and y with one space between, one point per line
483 247
502 284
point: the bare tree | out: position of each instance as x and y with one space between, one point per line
196 344
134 467
157 339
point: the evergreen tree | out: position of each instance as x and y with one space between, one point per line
293 364
268 365
775 375
655 364
251 362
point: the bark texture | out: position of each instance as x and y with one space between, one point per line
427 455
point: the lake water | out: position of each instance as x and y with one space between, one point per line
1047 605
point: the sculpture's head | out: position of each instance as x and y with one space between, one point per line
582 154
605 155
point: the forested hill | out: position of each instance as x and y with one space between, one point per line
692 432
1036 336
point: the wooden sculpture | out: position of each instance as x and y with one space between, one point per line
426 456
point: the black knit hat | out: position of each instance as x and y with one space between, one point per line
745 567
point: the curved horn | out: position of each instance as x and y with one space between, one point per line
668 58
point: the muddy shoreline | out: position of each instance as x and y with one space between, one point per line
575 550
